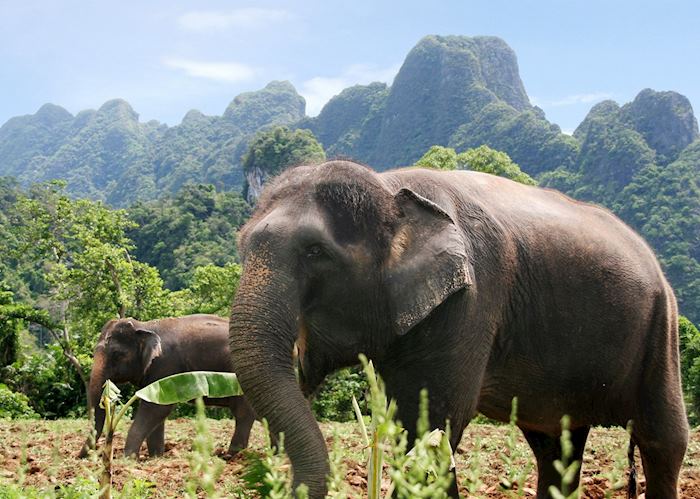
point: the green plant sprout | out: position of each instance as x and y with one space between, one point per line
204 470
616 476
514 479
425 471
473 470
337 488
566 469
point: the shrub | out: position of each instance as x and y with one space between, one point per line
14 405
690 367
334 401
51 384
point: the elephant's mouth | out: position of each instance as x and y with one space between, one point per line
307 383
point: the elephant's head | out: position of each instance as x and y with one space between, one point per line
335 263
124 352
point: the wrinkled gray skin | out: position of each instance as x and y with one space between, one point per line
129 351
475 287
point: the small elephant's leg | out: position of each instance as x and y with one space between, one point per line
547 449
156 441
148 417
245 417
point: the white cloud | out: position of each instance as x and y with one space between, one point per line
570 100
320 89
211 70
244 18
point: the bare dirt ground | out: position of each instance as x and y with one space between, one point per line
48 449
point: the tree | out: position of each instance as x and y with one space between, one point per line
487 160
480 159
210 291
9 329
195 228
89 274
442 158
274 150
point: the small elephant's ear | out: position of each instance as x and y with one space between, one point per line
150 346
427 262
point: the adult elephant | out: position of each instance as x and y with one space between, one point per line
129 351
475 287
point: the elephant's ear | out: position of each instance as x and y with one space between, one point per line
428 260
150 346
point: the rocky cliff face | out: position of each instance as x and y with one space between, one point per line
664 119
349 123
618 142
24 138
255 179
444 83
276 104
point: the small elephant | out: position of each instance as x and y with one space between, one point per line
473 286
129 351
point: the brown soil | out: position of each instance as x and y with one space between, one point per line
49 448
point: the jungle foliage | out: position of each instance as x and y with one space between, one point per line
637 159
193 228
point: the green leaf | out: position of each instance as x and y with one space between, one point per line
184 387
111 391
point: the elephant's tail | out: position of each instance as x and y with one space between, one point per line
632 483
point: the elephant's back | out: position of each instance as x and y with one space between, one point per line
199 341
194 324
537 223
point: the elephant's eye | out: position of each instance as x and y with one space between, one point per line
315 251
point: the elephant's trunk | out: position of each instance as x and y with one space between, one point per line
262 332
97 380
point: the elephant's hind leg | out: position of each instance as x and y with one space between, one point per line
660 425
662 440
547 449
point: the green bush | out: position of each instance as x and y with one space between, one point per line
334 401
690 367
51 384
14 405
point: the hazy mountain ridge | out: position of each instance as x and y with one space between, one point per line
109 154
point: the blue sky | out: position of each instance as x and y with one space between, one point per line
168 56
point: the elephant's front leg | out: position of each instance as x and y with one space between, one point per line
245 417
148 417
405 388
156 441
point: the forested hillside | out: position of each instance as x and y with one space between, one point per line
110 155
640 159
